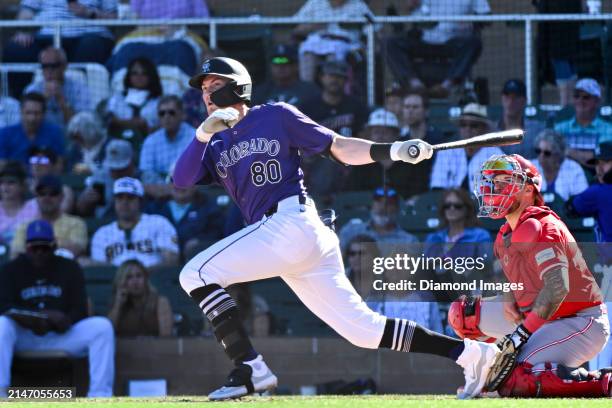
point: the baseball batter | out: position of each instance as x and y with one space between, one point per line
255 154
557 322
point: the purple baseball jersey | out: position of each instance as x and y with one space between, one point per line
258 160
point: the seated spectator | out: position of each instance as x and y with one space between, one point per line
70 231
285 84
457 167
151 239
83 43
9 111
17 140
456 39
88 144
324 40
15 208
52 287
197 219
137 309
163 147
253 310
65 96
358 260
585 130
382 225
383 127
560 175
97 198
131 112
414 121
394 96
43 162
514 101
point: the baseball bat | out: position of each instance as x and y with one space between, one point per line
503 138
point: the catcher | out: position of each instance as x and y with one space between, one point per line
558 321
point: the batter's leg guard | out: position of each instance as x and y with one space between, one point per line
464 318
222 312
526 381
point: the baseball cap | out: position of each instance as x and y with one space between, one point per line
588 85
383 117
284 54
42 155
515 86
603 151
128 185
118 154
39 231
13 169
51 182
335 68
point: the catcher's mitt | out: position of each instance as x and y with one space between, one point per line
503 365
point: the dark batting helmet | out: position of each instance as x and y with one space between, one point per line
238 89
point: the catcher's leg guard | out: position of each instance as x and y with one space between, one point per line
525 381
464 317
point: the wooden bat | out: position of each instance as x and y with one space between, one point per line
503 138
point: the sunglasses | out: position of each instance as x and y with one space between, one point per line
353 253
546 153
456 206
48 193
163 113
583 96
40 160
470 125
281 60
382 192
45 248
51 65
139 73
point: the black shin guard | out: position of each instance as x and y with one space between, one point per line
222 312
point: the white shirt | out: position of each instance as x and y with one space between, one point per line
152 235
9 111
314 9
570 181
445 30
451 167
121 109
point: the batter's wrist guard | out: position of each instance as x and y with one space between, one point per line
380 151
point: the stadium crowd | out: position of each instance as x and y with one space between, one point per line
87 180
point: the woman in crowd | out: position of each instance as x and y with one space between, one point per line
88 142
137 308
15 208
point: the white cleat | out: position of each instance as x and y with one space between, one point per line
247 378
476 360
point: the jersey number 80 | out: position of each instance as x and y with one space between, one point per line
268 172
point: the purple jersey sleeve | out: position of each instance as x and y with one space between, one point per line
304 133
190 169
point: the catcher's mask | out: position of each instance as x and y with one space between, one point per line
500 180
237 90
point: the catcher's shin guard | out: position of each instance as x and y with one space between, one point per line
525 381
464 318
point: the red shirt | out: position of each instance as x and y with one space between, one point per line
541 242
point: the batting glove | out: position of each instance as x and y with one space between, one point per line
218 121
411 151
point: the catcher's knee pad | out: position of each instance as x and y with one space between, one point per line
528 381
464 318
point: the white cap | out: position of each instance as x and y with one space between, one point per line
383 117
128 185
590 86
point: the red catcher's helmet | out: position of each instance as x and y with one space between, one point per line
496 195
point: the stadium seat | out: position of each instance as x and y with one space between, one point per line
99 282
352 204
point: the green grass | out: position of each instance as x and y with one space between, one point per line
373 401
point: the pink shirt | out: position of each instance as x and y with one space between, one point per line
169 9
8 224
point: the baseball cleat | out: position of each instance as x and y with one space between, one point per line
476 360
247 378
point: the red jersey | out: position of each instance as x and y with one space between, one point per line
539 243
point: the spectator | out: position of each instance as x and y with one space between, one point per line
9 111
151 239
53 288
457 167
382 225
65 96
43 162
383 127
70 231
585 130
85 43
89 141
394 95
132 113
327 40
197 219
97 198
359 256
414 122
285 85
137 309
15 208
162 147
17 140
514 100
455 39
560 175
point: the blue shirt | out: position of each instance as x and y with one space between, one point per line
474 242
595 201
15 145
159 153
585 137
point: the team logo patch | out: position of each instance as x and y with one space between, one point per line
544 255
206 67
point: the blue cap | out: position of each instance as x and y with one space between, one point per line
39 231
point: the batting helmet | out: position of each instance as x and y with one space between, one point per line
238 89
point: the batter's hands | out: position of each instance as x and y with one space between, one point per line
218 121
412 151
